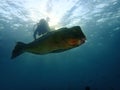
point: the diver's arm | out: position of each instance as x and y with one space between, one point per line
34 35
35 31
35 26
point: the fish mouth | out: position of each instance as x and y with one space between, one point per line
83 40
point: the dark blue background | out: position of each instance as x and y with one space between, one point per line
96 63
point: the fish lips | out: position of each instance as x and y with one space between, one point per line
81 41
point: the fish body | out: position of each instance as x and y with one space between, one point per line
52 42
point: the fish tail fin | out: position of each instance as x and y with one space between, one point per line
18 50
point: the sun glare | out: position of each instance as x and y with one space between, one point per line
53 20
40 12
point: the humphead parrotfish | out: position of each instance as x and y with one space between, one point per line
52 42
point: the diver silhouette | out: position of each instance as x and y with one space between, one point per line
42 27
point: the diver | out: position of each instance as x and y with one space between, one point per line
41 28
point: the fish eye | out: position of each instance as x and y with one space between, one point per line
74 30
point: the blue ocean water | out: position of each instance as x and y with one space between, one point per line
95 64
